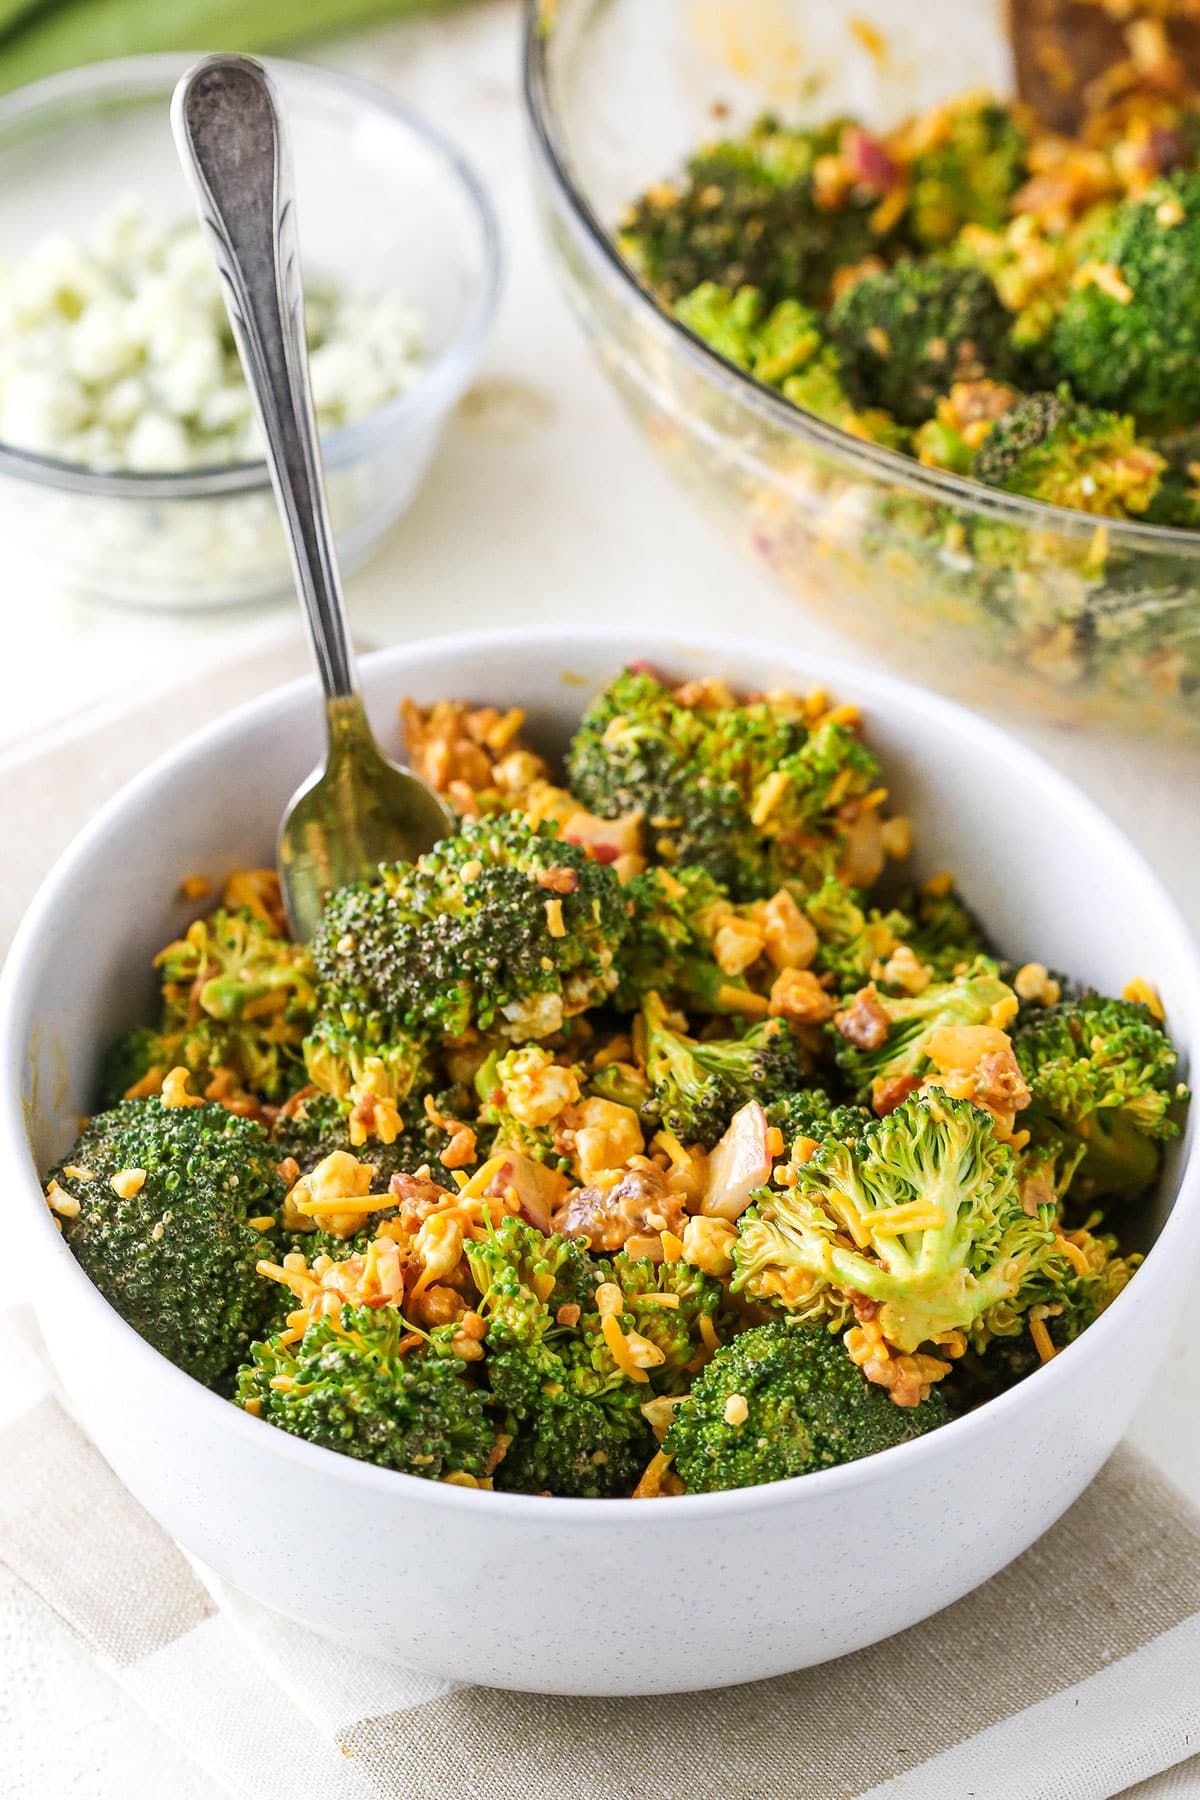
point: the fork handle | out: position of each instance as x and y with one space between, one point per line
233 144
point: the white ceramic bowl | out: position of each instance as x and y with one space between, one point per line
584 1596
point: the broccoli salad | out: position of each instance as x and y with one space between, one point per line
993 298
116 353
649 1136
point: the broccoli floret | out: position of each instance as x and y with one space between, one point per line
1051 448
747 792
940 927
929 1198
674 915
748 214
141 1053
813 1114
784 348
784 1400
1128 334
700 1083
1101 1075
170 1246
576 1424
339 1058
523 1095
523 1278
906 1023
355 1383
318 1125
503 927
968 175
906 334
674 1331
237 999
851 940
1086 1288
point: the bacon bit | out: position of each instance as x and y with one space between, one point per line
864 1023
288 1171
890 1091
558 879
908 1379
568 1314
870 163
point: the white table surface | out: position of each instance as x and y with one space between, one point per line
543 504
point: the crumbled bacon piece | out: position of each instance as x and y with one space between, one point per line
863 1023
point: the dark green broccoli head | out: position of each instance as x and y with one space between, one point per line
573 1443
503 927
575 1417
1128 334
1102 1074
356 1383
174 1253
812 1113
919 1211
747 792
784 1400
968 175
700 1083
880 1037
907 334
747 214
1051 448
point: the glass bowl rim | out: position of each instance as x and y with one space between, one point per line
437 381
886 465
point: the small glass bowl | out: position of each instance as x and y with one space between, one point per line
998 598
384 204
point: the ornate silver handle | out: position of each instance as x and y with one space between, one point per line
233 143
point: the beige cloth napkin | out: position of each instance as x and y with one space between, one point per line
1072 1674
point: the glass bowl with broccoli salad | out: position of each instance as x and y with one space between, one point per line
130 463
678 1129
935 366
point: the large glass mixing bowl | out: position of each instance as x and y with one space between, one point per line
995 597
